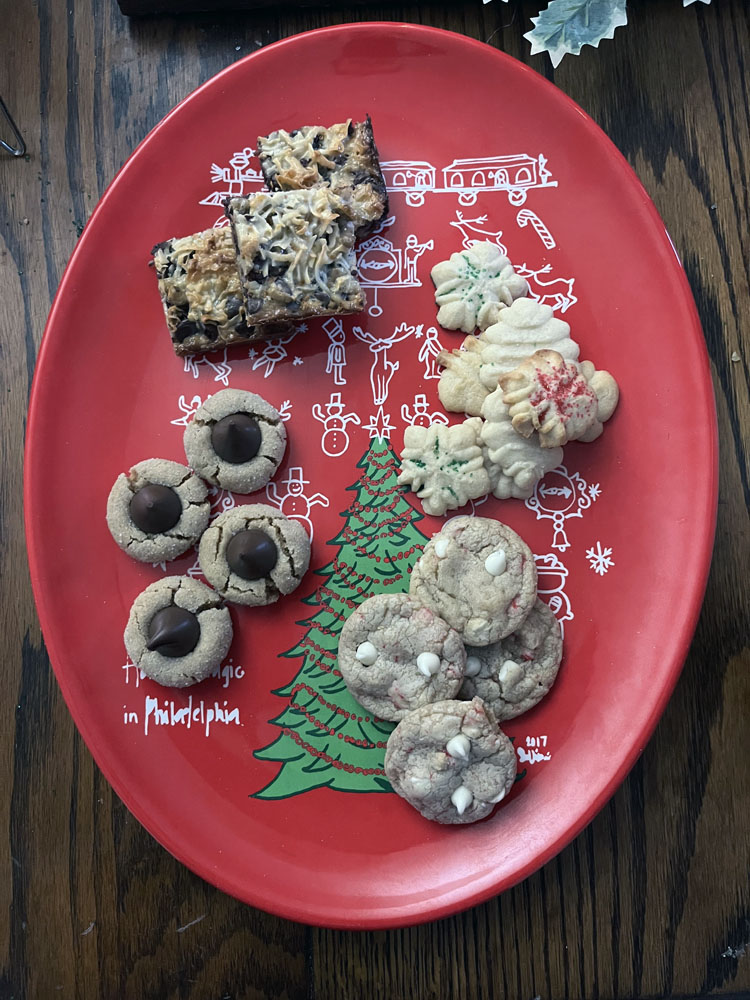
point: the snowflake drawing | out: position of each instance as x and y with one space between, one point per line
600 560
594 491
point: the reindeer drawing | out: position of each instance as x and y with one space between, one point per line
382 369
222 368
557 293
467 226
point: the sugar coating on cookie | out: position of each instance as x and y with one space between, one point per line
457 577
253 554
188 627
157 510
474 285
513 675
240 456
451 761
395 655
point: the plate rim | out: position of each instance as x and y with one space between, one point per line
372 916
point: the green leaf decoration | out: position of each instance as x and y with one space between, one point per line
567 25
326 738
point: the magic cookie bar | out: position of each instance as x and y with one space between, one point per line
342 156
295 253
200 290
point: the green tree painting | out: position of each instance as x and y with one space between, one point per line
327 739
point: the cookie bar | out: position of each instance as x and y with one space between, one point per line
343 156
200 291
295 253
451 761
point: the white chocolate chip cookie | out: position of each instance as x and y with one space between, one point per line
396 655
451 761
513 675
474 285
443 465
478 575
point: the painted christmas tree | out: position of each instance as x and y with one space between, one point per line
327 739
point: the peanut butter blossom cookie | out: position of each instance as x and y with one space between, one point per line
478 575
253 554
178 631
513 675
158 510
451 761
395 656
236 440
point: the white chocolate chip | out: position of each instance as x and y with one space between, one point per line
420 785
441 547
428 663
495 563
509 674
458 747
462 799
499 797
366 654
473 666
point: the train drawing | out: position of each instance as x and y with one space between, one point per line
515 174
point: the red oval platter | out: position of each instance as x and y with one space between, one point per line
267 779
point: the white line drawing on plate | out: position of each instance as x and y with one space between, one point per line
233 181
188 409
336 361
272 353
429 350
467 226
294 502
534 750
382 369
285 410
335 439
420 415
600 559
515 174
552 576
558 496
526 217
222 368
381 264
557 293
380 425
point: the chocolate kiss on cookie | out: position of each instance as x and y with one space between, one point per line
173 632
252 554
155 509
236 438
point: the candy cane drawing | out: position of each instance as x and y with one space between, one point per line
382 369
526 216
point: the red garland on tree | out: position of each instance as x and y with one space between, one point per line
327 739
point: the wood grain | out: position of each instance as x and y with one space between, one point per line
653 899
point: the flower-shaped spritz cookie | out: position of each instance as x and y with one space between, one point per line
444 466
549 395
474 286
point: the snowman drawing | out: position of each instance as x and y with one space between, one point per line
420 416
295 503
336 350
335 439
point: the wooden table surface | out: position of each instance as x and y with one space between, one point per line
653 898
